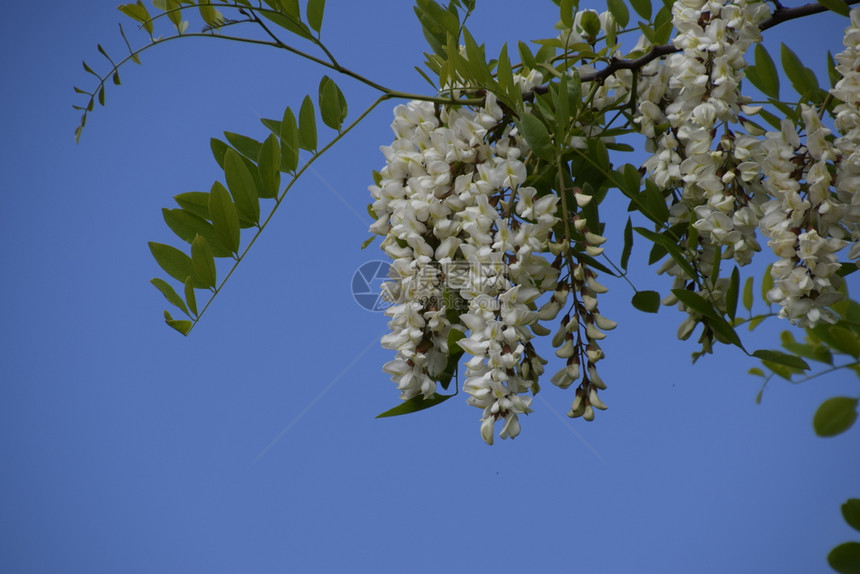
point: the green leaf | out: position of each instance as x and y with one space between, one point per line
190 298
174 262
647 301
225 218
835 416
248 147
658 211
567 8
288 22
748 294
732 293
802 78
137 11
332 104
844 340
210 14
764 75
832 73
537 136
845 558
307 125
218 148
315 13
289 142
628 244
851 513
670 246
169 293
696 302
187 225
197 202
766 283
414 404
477 61
815 350
711 316
269 167
242 187
619 11
505 75
183 326
837 6
781 359
202 263
643 8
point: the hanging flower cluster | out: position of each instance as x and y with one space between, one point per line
480 257
731 185
469 244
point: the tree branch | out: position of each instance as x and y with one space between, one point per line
778 16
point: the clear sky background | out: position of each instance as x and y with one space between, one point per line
128 448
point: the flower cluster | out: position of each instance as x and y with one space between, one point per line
468 242
734 185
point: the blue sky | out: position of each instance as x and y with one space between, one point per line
128 448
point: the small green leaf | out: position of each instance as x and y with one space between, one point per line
269 167
832 73
288 22
537 136
242 187
202 263
315 13
224 216
837 6
187 225
670 246
218 148
748 294
619 11
197 202
169 293
248 147
183 326
332 104
414 404
643 8
845 558
368 241
851 513
781 359
732 293
647 301
307 125
802 78
289 142
844 340
567 8
764 75
766 283
190 298
505 75
174 262
137 11
628 244
835 416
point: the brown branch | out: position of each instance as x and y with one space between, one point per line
778 16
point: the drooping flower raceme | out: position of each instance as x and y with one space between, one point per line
468 240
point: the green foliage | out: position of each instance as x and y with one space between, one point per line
414 404
835 416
